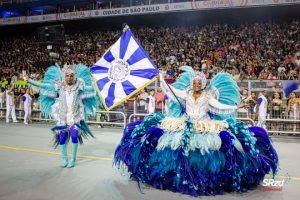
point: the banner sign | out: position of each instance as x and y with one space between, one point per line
74 15
148 9
19 85
41 18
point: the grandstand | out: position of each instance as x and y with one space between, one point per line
259 50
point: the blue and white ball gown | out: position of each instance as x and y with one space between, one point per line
201 150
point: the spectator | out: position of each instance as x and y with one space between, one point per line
2 96
10 104
244 95
281 72
293 75
252 102
142 97
293 106
261 108
276 104
293 109
150 102
297 61
26 98
159 100
244 99
14 78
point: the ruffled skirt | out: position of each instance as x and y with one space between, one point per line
187 161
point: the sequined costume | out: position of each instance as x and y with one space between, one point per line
68 105
198 148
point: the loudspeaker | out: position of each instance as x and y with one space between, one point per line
51 34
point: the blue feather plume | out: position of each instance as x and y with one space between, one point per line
227 87
182 83
48 96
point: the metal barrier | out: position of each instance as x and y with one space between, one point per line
283 126
136 115
19 115
123 123
246 120
274 126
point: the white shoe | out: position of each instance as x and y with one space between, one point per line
26 123
7 121
16 121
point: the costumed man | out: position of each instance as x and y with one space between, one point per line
199 148
68 96
26 98
262 108
150 106
10 104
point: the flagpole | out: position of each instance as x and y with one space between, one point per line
125 27
183 108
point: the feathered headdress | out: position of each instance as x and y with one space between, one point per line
200 76
69 69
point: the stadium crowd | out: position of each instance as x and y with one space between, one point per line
260 51
263 51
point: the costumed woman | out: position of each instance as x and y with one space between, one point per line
68 96
198 148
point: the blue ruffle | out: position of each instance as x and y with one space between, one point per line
191 172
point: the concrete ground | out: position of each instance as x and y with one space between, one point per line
29 169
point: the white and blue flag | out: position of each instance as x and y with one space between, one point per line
123 70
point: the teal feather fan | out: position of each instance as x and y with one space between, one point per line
227 93
91 101
48 94
227 88
83 73
182 83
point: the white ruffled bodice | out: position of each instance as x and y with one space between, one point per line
198 108
203 128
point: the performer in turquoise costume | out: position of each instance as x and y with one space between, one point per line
68 96
198 148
